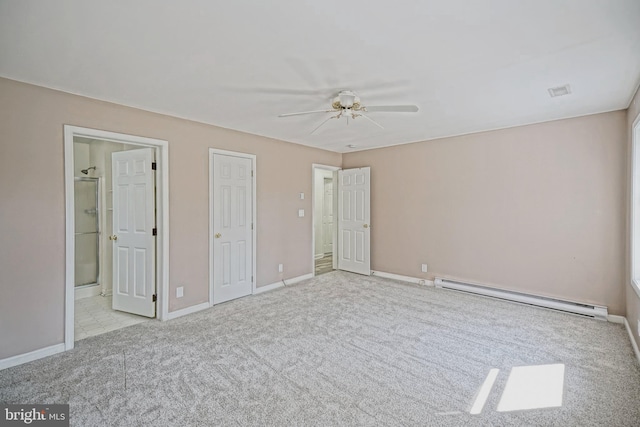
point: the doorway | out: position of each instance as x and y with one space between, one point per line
341 230
116 231
324 196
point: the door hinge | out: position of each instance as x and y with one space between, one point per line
155 297
252 226
154 166
154 231
251 173
251 279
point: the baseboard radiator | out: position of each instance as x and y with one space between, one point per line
594 311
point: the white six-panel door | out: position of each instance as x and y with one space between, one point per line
132 238
354 213
232 232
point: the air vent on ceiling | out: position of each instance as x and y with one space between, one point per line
559 91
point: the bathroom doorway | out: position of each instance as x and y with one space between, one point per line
95 311
117 227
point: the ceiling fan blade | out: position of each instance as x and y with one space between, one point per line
372 121
320 125
393 108
307 112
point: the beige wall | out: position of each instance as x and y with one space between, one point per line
633 299
537 208
32 218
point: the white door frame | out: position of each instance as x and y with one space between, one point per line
162 218
333 169
254 214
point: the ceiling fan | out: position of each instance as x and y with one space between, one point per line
347 104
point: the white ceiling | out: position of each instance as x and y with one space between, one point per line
469 65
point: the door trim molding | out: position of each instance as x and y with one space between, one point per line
333 169
162 218
254 215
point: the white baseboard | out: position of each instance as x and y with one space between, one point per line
612 318
87 291
633 341
268 288
298 279
188 310
32 355
416 280
282 283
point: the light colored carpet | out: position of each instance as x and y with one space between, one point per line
339 349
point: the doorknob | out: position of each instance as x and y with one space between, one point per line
218 235
113 237
366 226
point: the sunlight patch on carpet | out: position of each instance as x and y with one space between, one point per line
483 394
533 387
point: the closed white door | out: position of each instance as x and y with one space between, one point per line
354 232
133 232
232 235
327 217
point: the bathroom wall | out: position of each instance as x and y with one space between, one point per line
86 258
80 156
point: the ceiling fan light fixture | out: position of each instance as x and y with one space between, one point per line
347 99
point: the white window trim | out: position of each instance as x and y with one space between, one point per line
635 201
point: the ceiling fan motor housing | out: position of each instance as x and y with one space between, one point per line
346 99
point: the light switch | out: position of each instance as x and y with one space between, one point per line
300 213
301 196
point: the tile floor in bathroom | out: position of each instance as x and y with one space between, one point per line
94 316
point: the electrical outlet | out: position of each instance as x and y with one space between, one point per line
280 268
424 268
180 292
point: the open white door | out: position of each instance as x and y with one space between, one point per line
354 215
232 227
133 232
